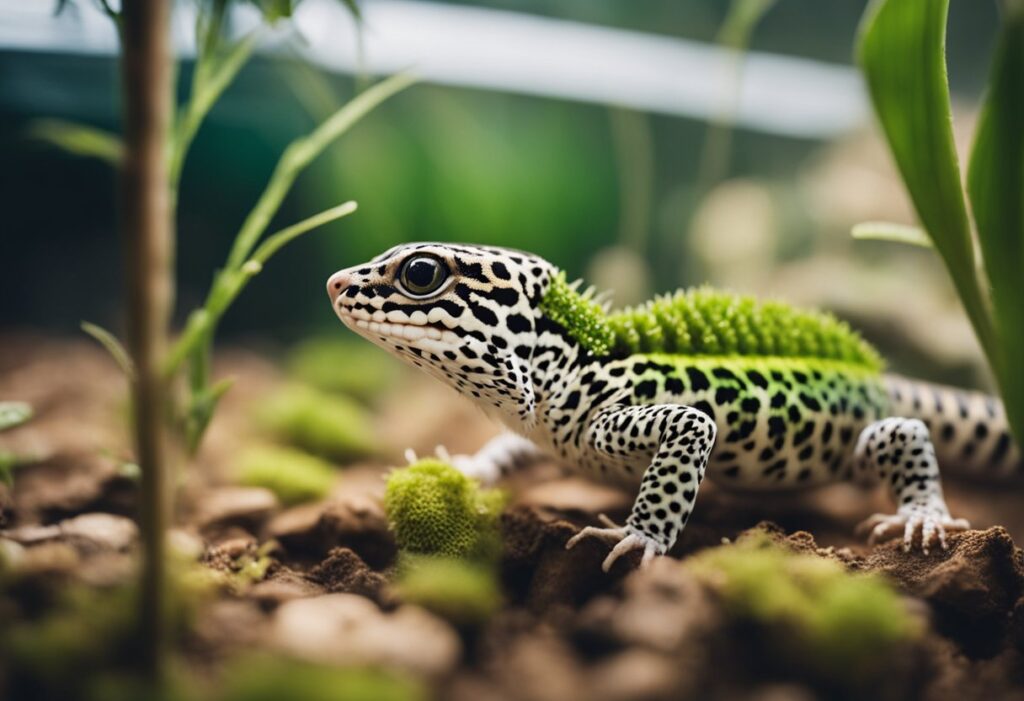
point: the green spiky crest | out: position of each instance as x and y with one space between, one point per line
706 322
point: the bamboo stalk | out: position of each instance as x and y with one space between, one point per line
148 244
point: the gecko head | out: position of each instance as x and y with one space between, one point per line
466 314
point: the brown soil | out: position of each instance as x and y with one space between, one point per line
566 630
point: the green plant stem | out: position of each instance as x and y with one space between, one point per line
146 70
300 153
229 284
207 88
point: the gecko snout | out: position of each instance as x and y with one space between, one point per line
337 283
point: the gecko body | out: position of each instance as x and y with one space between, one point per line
755 395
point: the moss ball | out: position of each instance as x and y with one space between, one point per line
436 510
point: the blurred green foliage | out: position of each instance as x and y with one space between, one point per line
346 366
294 476
845 625
461 591
263 677
903 53
330 426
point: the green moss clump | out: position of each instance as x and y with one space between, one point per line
583 318
332 427
707 322
436 510
463 592
292 475
357 369
262 677
842 623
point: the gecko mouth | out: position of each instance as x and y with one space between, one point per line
362 322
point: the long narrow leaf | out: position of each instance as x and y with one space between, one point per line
79 139
113 346
902 51
887 231
300 153
996 187
281 238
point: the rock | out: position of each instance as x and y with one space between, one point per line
576 497
247 507
344 571
185 543
347 629
104 531
539 666
71 483
636 675
663 608
87 533
972 589
281 586
354 521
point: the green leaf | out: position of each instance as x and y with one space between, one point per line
113 346
887 231
995 183
78 139
14 414
277 240
902 53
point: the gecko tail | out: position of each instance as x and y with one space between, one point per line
969 429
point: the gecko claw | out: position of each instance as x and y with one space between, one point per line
626 540
933 524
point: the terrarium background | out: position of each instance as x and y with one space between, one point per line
468 165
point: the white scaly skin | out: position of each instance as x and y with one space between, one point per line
471 316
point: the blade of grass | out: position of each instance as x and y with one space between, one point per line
206 90
113 346
228 286
79 139
300 153
995 184
902 52
887 231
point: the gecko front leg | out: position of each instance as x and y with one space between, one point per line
676 440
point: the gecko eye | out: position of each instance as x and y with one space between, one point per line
422 275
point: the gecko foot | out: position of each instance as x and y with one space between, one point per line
932 522
625 538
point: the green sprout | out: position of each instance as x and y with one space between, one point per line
436 510
219 60
901 50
